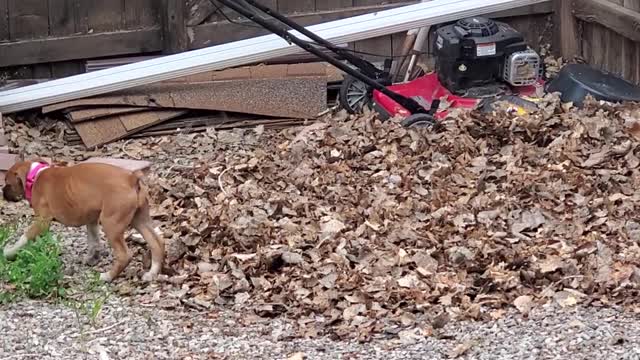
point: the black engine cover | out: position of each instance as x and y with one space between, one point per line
472 52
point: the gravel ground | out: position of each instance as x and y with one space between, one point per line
35 330
130 328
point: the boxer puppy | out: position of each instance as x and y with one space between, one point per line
85 195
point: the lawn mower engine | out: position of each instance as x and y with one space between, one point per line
477 61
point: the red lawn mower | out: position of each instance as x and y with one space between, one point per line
477 61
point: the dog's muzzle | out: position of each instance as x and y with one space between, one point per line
9 194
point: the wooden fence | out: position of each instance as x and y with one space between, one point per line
54 38
605 33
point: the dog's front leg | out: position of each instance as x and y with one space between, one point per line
37 228
93 244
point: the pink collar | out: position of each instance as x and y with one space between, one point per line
32 175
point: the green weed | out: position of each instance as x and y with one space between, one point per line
35 273
88 298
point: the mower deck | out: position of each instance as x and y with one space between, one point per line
428 88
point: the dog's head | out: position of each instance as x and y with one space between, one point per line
15 179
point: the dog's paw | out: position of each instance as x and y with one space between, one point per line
149 276
105 277
9 253
92 259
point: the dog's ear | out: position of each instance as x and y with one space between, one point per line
20 183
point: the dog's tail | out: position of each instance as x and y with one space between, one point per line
141 188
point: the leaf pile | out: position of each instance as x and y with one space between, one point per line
357 227
368 226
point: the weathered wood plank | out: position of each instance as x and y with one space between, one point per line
42 71
105 16
66 68
273 4
61 17
585 43
533 28
62 22
566 40
377 48
80 47
141 14
637 66
174 26
81 15
598 53
632 4
614 46
4 20
624 21
322 5
632 49
222 32
368 2
28 19
529 10
296 6
198 11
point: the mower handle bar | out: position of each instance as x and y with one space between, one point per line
411 105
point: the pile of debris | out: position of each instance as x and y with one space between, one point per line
360 227
275 96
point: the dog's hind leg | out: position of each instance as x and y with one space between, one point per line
93 244
115 220
122 256
142 223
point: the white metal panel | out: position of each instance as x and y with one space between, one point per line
247 51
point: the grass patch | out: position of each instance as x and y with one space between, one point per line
36 272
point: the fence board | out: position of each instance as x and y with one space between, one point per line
617 18
81 15
333 4
586 47
298 6
614 23
28 19
106 16
637 65
80 47
369 2
274 4
379 48
198 11
174 26
4 20
141 14
632 49
598 34
614 50
61 19
222 32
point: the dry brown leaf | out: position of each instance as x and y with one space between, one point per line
524 304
